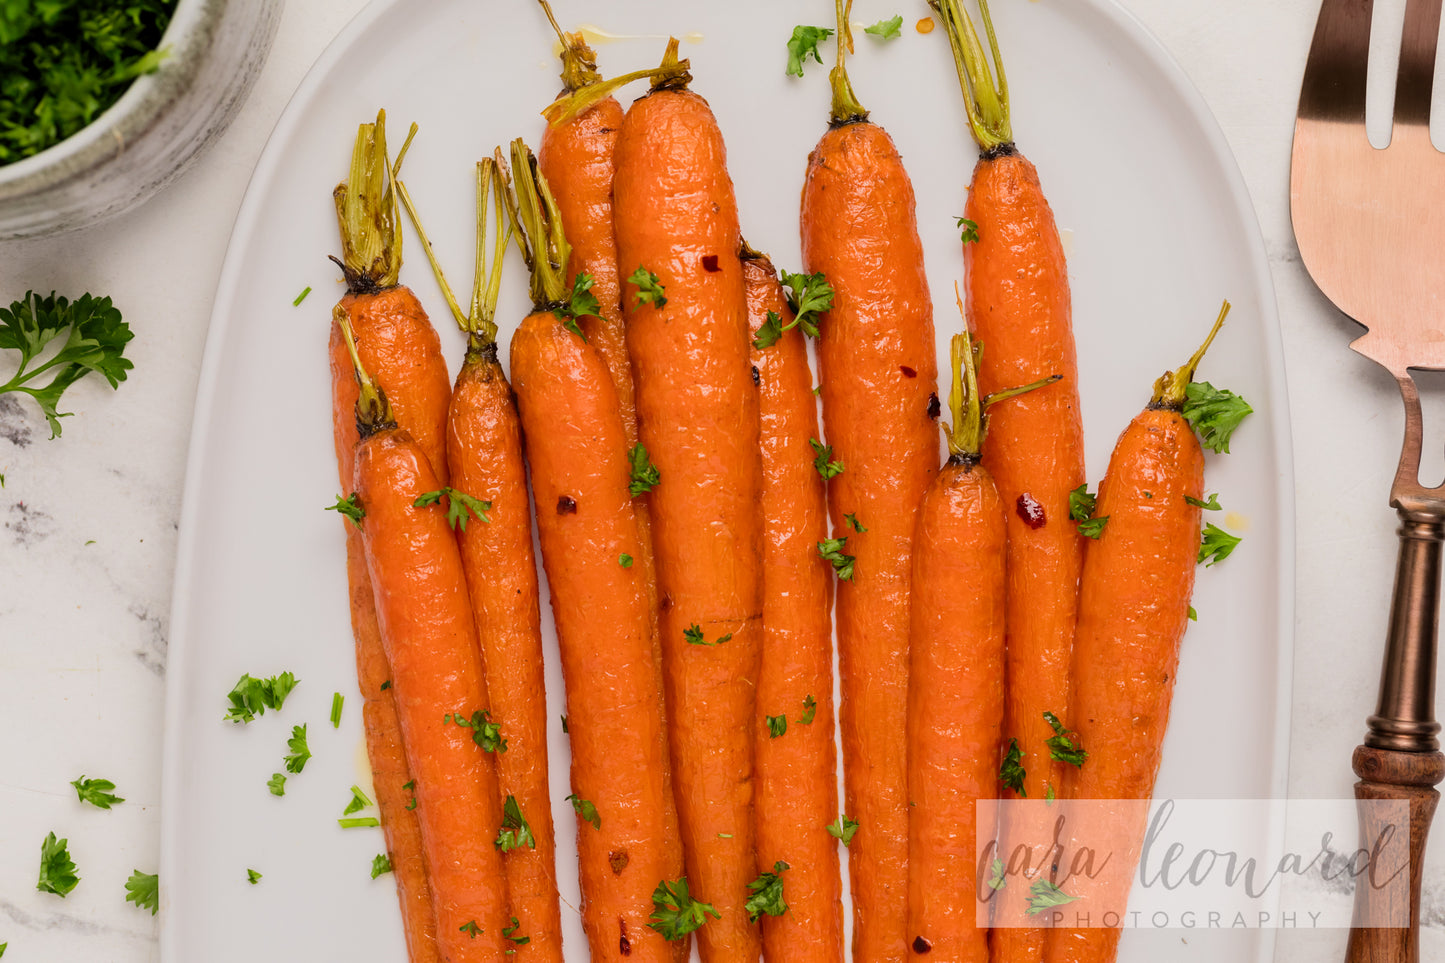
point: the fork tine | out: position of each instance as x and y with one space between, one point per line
1334 81
1417 62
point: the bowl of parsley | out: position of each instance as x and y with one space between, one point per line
103 104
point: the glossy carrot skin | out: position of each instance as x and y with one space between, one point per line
431 642
484 452
1019 304
585 518
1133 610
879 374
400 347
796 772
955 707
698 417
389 773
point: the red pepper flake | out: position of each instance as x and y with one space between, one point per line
1031 511
709 263
566 505
907 371
920 945
624 945
934 408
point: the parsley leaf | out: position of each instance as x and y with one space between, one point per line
253 877
57 871
1081 503
1064 745
693 635
470 928
359 801
649 288
580 304
91 333
644 474
624 560
411 788
769 331
350 506
1011 773
252 697
1215 544
843 828
1094 527
810 711
1212 505
485 732
969 233
804 43
1043 895
1214 413
277 784
515 832
852 522
1193 615
586 810
300 752
458 504
510 933
822 453
996 872
886 29
1049 795
97 792
381 863
831 551
144 890
808 295
675 913
777 726
767 894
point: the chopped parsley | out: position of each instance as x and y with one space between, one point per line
968 230
1044 895
1081 503
380 863
649 289
852 522
1215 544
358 822
1193 615
582 303
301 297
767 894
485 732
359 801
337 701
252 697
809 295
515 832
350 506
253 877
470 928
693 635
624 560
585 810
510 932
1064 744
1212 505
831 551
803 44
996 874
821 461
277 784
777 726
1094 527
458 504
843 828
144 890
886 29
57 871
300 752
644 474
810 711
1011 773
1214 413
97 792
675 913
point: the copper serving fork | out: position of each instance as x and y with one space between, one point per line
1371 230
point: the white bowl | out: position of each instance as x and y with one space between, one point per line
158 126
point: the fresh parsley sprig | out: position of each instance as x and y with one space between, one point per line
296 759
1214 413
580 304
650 290
97 792
1064 744
485 732
1215 544
458 505
1011 773
251 697
767 894
515 832
843 828
144 890
675 912
831 551
94 339
57 869
822 460
803 44
644 475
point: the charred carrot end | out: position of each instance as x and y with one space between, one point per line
1169 390
579 62
373 411
671 74
986 102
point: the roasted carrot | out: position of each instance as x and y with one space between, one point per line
879 377
955 690
1133 609
484 455
576 445
796 754
1018 303
687 334
430 640
397 343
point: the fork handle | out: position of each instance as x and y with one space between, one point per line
1400 759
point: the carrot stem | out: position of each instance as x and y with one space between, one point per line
1169 390
367 213
846 109
986 103
671 74
579 61
538 224
373 411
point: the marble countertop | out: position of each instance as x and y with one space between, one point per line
87 547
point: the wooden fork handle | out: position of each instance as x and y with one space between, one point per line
1400 759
